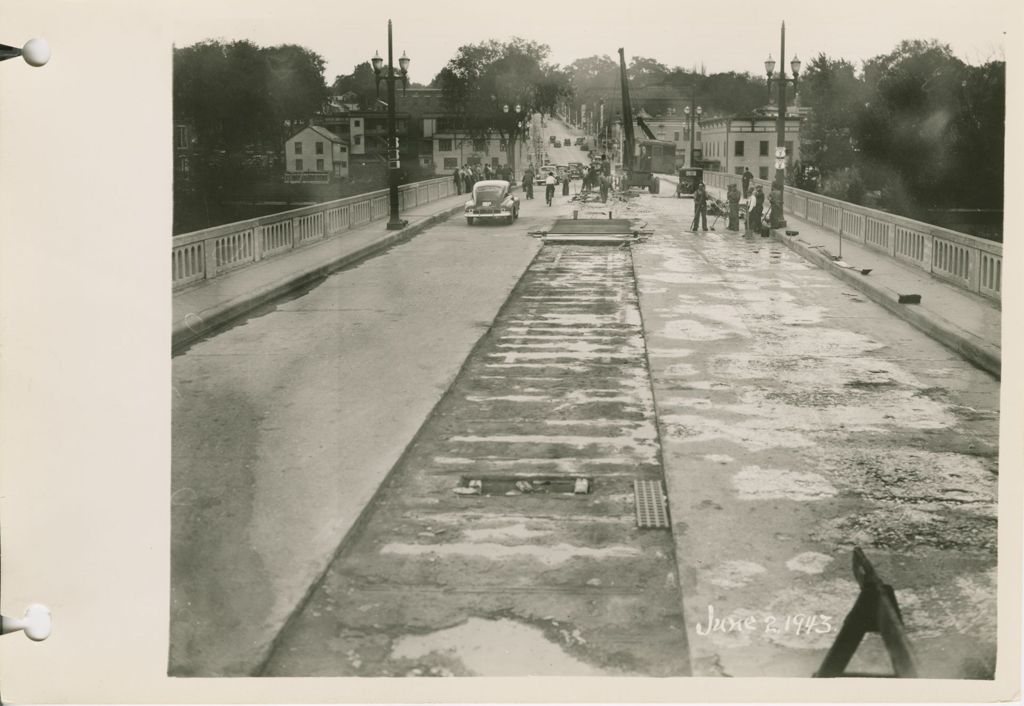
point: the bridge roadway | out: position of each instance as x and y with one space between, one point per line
789 417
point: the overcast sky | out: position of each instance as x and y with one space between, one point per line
723 36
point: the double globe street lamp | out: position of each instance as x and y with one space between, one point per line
778 219
390 75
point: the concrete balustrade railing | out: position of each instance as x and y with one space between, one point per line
964 260
205 254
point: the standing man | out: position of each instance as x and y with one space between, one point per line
747 178
733 197
700 209
457 175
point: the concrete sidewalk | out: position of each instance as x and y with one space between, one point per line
201 309
961 320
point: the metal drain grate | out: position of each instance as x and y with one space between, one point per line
650 504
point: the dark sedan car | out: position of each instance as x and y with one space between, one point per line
492 199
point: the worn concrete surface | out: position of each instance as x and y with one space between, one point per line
284 426
797 420
516 581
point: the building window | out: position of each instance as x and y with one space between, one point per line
344 164
356 122
343 149
451 162
764 150
495 161
479 145
358 139
444 145
298 148
738 148
762 172
675 136
737 170
319 147
183 166
319 165
298 165
181 137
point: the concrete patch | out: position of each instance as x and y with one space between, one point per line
734 574
756 483
495 648
809 563
549 555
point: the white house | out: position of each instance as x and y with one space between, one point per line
315 154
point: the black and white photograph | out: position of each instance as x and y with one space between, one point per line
511 352
535 341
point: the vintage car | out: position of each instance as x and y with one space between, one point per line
581 141
542 175
689 178
492 199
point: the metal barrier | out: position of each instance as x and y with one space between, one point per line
205 254
967 261
875 610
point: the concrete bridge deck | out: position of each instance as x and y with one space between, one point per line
788 407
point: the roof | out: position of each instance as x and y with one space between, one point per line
490 182
321 131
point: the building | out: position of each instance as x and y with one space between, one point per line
676 128
455 148
184 150
732 144
315 154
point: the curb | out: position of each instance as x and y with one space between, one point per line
196 326
969 346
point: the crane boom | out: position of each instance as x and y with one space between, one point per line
627 116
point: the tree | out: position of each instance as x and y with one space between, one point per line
906 131
835 95
362 82
481 79
240 97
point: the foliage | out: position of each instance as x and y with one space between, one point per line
240 98
362 82
845 184
481 79
831 89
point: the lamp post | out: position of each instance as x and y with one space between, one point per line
390 76
693 113
778 218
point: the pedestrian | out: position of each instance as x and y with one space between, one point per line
457 175
549 187
733 197
488 173
700 209
754 218
747 178
605 185
528 177
565 184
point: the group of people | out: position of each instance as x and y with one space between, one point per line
599 174
754 205
465 177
